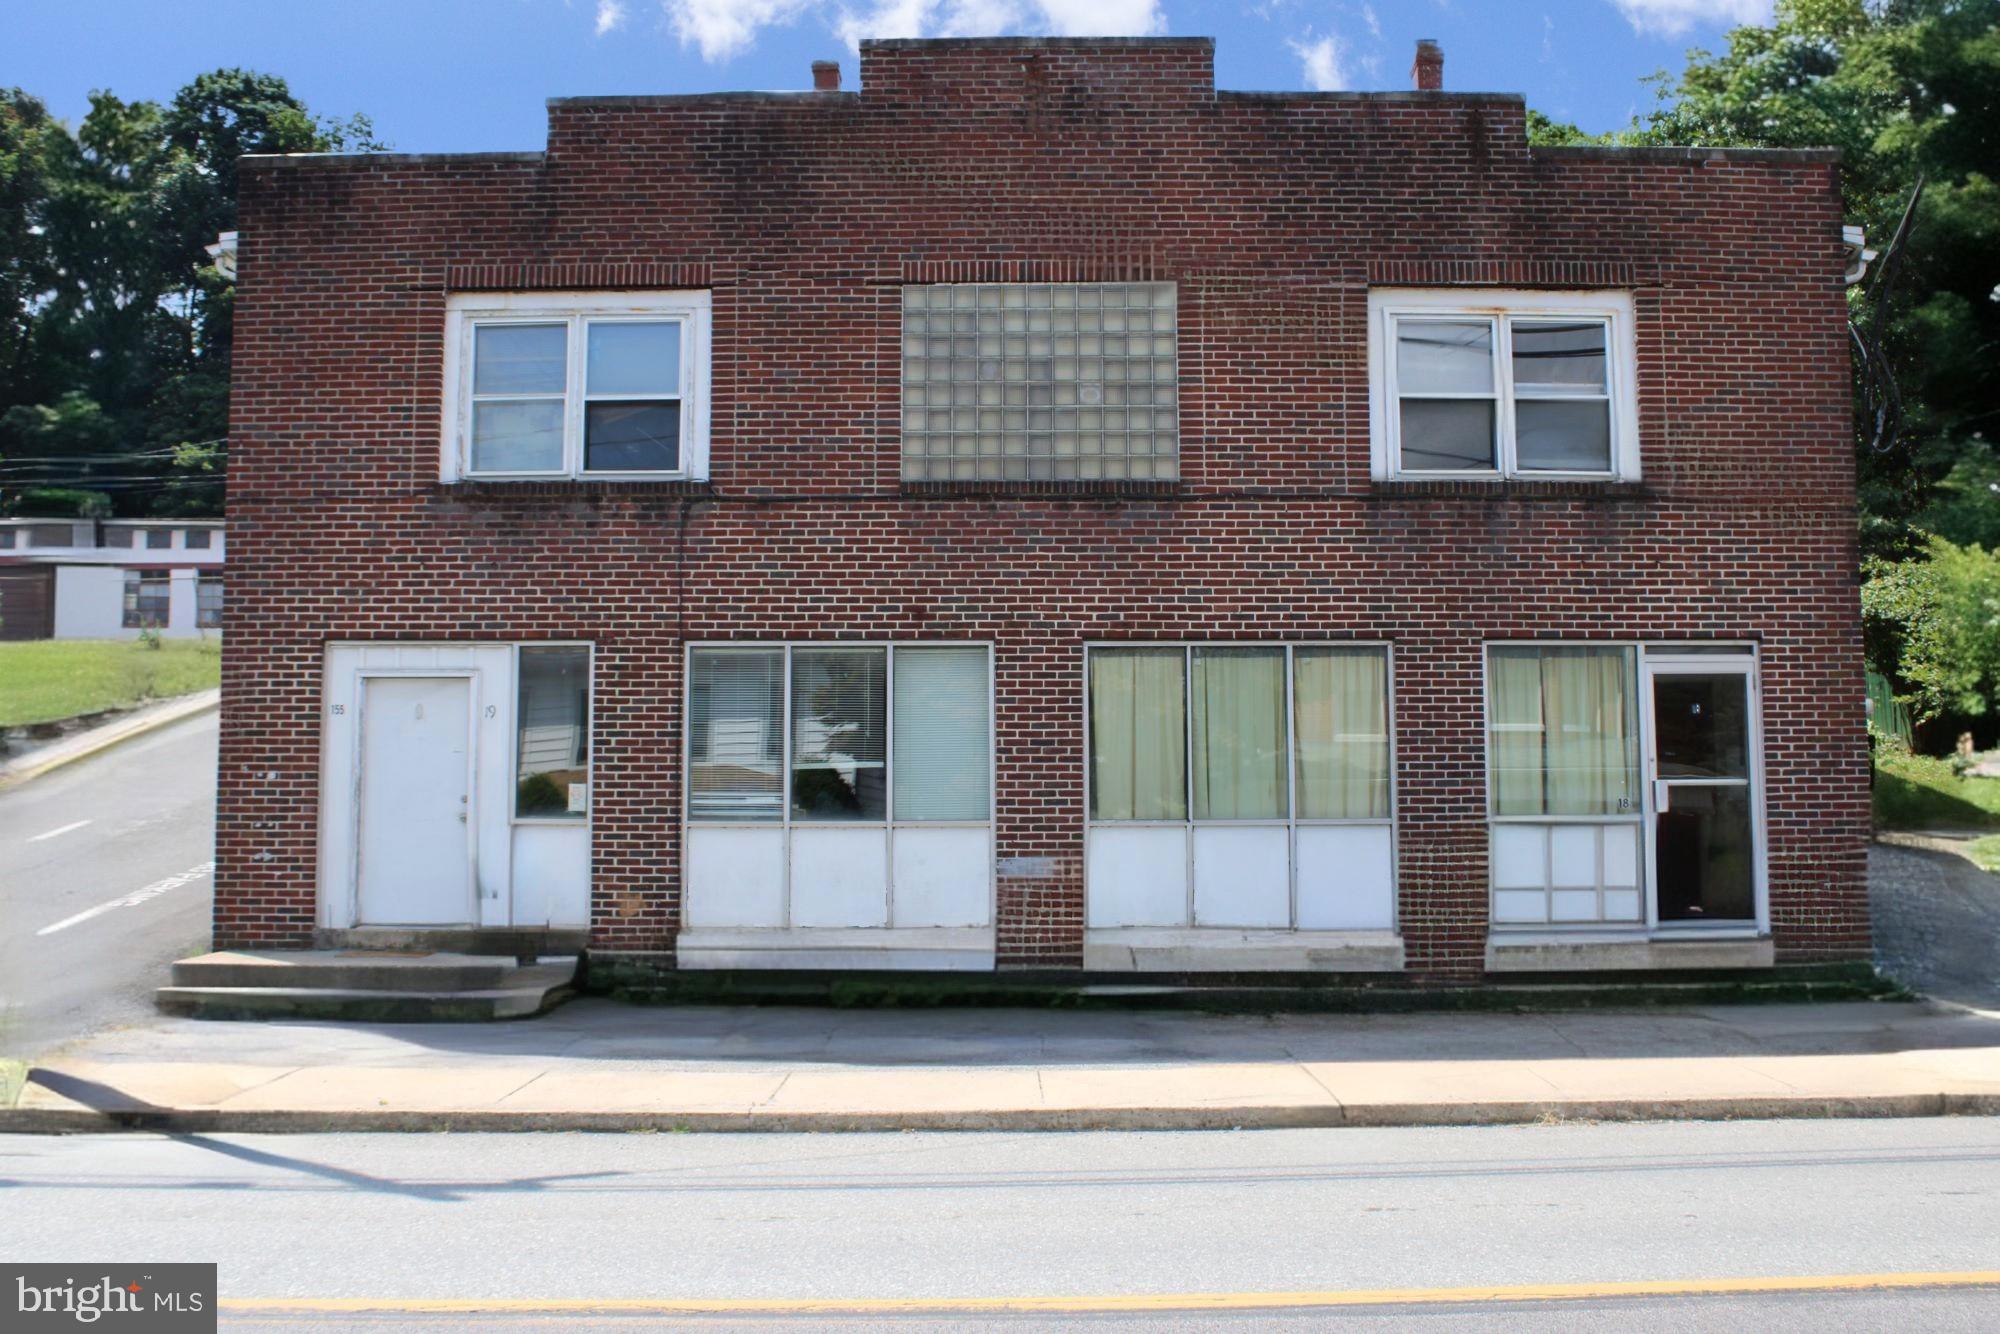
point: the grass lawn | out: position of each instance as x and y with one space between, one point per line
1921 792
45 679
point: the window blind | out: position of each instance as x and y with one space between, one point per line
839 736
736 735
942 747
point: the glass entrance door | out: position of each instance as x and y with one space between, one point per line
1704 798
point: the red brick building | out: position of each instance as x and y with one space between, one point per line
1041 511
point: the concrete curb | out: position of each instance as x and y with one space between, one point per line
100 739
214 1121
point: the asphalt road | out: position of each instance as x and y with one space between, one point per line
582 1219
133 827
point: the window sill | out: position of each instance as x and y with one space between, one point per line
1209 949
1069 488
919 949
564 488
1509 488
1612 951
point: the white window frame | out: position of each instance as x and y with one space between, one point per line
1724 655
466 311
1498 306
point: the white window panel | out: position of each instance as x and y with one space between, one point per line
1485 383
1242 876
587 385
1346 878
735 877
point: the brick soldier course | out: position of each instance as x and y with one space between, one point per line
805 214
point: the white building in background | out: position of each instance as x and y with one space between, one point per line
110 578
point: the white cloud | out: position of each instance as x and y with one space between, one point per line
721 29
1671 18
1101 18
1374 24
1321 62
610 16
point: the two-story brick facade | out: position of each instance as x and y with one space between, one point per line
1041 511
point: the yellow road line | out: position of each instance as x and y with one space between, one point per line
1175 1301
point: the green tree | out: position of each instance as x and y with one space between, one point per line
125 322
1937 614
1904 89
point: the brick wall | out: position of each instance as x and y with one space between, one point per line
1064 161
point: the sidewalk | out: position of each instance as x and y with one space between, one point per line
82 745
600 1065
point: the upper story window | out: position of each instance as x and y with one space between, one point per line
577 384
1491 384
1040 381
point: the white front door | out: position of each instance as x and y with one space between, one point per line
415 860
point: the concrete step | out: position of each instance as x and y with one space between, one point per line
361 985
357 970
360 1005
516 941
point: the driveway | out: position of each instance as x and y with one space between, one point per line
1937 919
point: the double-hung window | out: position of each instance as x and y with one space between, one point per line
577 385
1484 384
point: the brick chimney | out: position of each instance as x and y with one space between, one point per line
826 76
1427 70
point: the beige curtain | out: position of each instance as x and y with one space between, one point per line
1564 737
1514 715
1137 735
1238 737
1342 731
1587 707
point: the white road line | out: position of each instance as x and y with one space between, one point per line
58 833
132 900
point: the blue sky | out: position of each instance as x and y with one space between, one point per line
455 75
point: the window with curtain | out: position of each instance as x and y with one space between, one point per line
1202 733
1237 734
942 761
736 740
1563 730
1138 738
553 744
1340 726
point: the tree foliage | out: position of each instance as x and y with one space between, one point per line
1904 89
114 324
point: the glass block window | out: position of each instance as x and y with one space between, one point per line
1040 382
